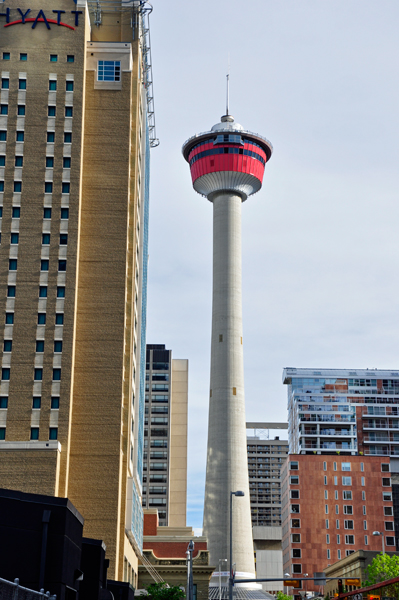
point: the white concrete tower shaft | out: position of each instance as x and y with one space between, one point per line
227 466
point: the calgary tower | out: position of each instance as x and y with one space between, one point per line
227 165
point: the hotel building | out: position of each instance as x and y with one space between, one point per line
76 127
165 436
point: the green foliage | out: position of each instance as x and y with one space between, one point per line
281 596
384 567
162 591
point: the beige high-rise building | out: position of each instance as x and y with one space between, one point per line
76 126
165 436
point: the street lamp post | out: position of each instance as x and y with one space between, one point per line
381 533
190 582
306 589
220 577
240 494
286 586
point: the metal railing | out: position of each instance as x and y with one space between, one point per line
13 591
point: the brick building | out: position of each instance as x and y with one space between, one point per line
330 507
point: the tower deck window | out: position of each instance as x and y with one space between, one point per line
109 70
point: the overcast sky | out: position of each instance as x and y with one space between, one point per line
319 79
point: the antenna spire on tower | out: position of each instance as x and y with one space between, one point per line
227 86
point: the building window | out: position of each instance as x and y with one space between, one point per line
22 84
69 86
46 239
324 466
2 160
337 524
59 318
348 509
363 495
348 524
16 212
17 187
44 264
53 433
349 539
109 70
46 213
346 480
364 509
39 345
62 264
387 496
295 523
327 524
294 480
325 479
12 264
55 402
57 345
56 374
296 538
7 345
388 511
64 213
61 291
326 509
66 162
339 554
50 137
338 539
38 375
296 553
37 402
51 111
297 568
346 466
3 402
363 481
49 165
53 58
21 110
70 58
34 433
328 554
23 56
3 109
66 187
328 538
52 85
43 291
67 137
6 56
41 318
14 238
390 541
48 187
68 111
385 467
325 494
295 508
20 136
1 186
294 494
335 480
366 540
3 135
11 290
386 481
389 526
19 161
5 374
337 509
9 318
5 83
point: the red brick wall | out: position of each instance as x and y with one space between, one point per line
172 549
312 515
150 524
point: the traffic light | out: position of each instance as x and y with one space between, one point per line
373 597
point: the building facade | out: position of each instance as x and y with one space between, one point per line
165 436
331 505
74 154
350 411
265 459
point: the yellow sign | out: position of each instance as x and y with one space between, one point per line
352 581
372 597
292 583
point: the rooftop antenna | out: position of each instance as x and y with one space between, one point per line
227 86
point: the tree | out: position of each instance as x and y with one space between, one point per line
162 591
383 567
281 596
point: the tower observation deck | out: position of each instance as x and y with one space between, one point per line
227 165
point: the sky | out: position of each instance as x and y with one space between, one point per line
319 79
